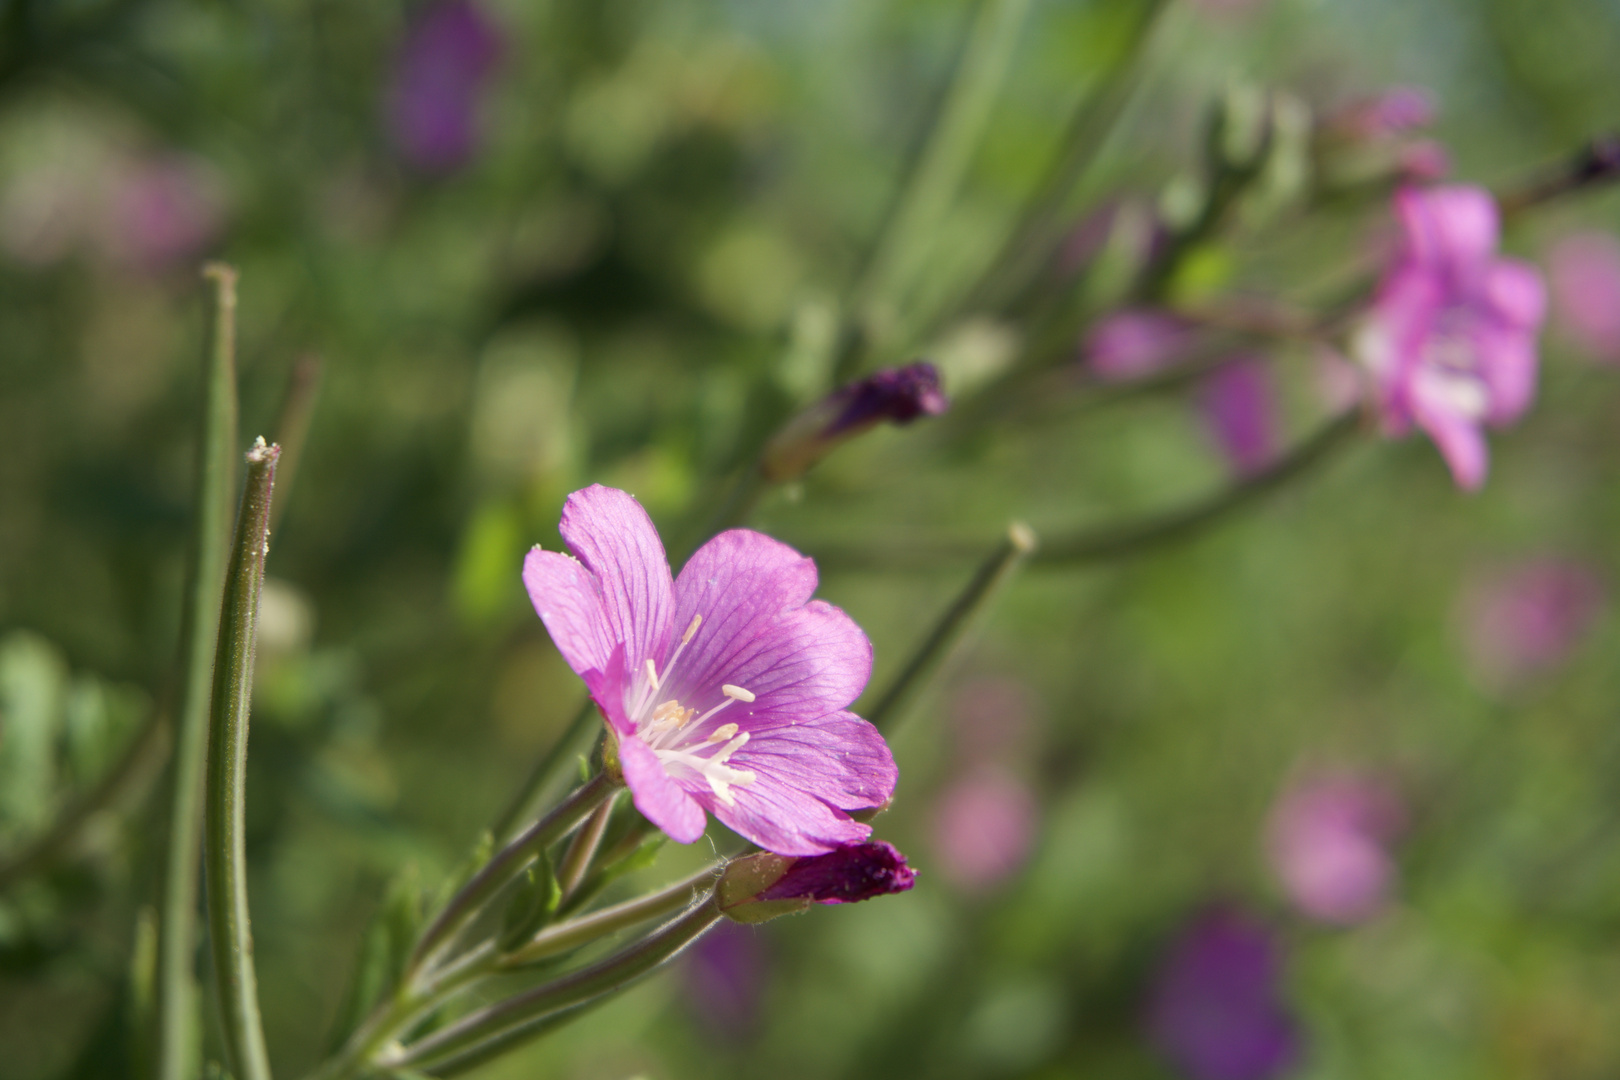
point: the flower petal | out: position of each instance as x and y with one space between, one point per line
782 819
661 800
568 599
839 758
1452 229
1516 293
615 539
1507 364
1457 435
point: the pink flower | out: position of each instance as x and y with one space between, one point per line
440 74
1451 336
726 688
1240 411
1327 842
1528 619
984 826
1134 343
1585 271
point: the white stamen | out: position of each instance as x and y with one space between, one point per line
736 692
652 674
691 631
716 709
721 733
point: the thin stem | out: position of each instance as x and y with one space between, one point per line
506 865
1133 539
564 936
141 757
1597 163
582 850
224 855
177 1043
1016 546
547 769
500 1026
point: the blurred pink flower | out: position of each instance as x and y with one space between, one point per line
162 211
1133 343
1423 161
1451 335
443 68
1216 1009
1327 843
1528 618
1585 272
983 829
1240 410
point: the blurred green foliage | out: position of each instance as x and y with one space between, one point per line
643 270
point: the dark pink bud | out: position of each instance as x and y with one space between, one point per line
761 887
1241 413
1135 343
898 395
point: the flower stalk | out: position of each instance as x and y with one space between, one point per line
176 1040
224 858
502 868
1016 546
503 1025
564 936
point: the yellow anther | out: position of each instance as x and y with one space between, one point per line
722 733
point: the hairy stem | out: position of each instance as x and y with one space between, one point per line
224 855
561 937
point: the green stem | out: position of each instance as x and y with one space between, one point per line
224 854
564 936
177 1042
547 770
1016 546
498 1027
1133 539
502 868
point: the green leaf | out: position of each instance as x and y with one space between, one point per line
33 686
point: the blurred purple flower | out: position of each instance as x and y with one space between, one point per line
1216 1010
983 829
1451 335
1528 618
1133 343
898 395
162 210
1585 272
724 690
1240 410
443 66
1423 161
1327 843
725 975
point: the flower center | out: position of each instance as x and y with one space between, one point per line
688 744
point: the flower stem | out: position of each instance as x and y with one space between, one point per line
224 858
1597 163
498 1027
547 769
502 868
563 936
1016 546
1133 539
176 1038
